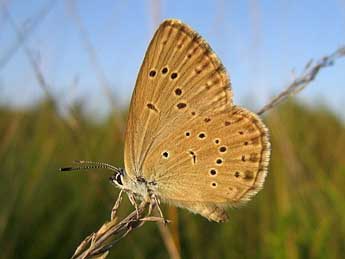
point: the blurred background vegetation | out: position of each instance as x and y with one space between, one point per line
300 213
45 214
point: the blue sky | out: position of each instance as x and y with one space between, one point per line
259 42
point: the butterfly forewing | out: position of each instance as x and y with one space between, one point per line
178 67
184 132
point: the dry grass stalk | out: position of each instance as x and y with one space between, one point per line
97 244
71 123
94 61
92 53
33 22
308 75
169 241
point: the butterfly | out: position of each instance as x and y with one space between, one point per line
186 143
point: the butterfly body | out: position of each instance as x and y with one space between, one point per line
138 187
186 143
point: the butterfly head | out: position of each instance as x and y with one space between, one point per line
118 178
138 186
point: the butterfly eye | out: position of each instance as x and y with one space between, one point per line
118 179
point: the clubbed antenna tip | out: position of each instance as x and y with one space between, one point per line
63 169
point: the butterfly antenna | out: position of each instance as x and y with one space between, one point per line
89 165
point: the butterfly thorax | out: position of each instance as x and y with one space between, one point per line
139 186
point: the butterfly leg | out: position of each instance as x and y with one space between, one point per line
116 205
133 202
151 205
157 203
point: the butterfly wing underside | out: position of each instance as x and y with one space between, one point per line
184 132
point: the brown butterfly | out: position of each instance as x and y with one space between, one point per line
186 143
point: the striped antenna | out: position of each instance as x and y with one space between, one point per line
87 165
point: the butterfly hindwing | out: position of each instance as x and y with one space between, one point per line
218 159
